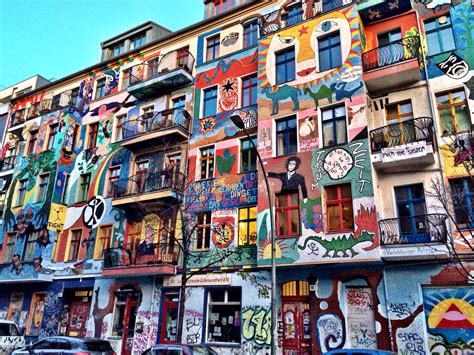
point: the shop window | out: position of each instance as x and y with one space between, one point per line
74 244
334 125
250 34
247 226
207 162
285 65
249 90
223 316
286 136
439 35
462 195
213 47
329 48
340 217
210 102
203 231
287 214
84 184
53 132
42 188
104 236
453 112
248 155
20 195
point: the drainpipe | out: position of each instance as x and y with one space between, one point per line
393 341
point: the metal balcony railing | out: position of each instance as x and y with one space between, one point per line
429 228
147 182
155 121
7 163
160 65
392 135
139 254
396 52
295 13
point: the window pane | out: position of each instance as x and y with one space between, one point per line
346 191
282 200
341 131
447 124
283 222
328 134
295 222
331 193
447 39
333 218
347 216
243 213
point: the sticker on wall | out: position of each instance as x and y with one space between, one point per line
230 39
94 212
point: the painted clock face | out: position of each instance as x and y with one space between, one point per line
338 163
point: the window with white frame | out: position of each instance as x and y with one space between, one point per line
223 316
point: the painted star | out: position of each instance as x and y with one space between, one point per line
303 30
228 86
207 124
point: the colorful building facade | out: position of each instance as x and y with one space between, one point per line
133 170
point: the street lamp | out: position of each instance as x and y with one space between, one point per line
239 123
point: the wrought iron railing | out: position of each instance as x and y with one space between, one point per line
141 253
155 121
147 182
7 163
392 135
393 53
429 228
295 13
160 65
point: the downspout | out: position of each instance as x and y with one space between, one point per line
393 340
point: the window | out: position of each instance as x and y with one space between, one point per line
114 175
100 89
119 120
119 48
20 197
104 237
207 162
179 105
212 47
210 102
56 101
286 138
223 316
182 58
248 155
74 101
84 184
386 38
462 195
439 35
287 214
293 14
399 112
223 5
42 188
249 90
30 247
334 125
329 51
247 226
32 142
92 135
65 188
340 217
137 41
203 231
53 131
126 76
74 244
453 112
285 65
9 247
250 34
411 208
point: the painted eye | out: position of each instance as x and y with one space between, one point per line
326 26
286 39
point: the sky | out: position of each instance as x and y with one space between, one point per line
55 38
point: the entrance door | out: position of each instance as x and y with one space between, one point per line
169 318
411 208
126 306
80 308
296 318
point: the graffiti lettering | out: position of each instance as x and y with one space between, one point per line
193 327
330 331
256 325
399 309
413 344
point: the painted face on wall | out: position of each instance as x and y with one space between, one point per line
306 38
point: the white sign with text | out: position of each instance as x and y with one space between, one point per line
406 151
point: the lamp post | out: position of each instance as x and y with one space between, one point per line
239 123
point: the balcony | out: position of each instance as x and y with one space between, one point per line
18 117
417 237
392 66
154 128
397 145
140 259
161 75
295 13
7 163
143 192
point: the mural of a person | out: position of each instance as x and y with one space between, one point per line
290 180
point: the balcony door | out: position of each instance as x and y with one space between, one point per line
411 208
389 51
404 132
169 318
141 170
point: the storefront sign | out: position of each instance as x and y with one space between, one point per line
199 280
406 151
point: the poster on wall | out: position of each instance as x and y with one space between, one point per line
360 318
35 317
14 310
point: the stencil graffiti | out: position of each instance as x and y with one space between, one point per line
454 66
256 325
330 332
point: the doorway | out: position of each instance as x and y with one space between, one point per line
169 317
126 306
